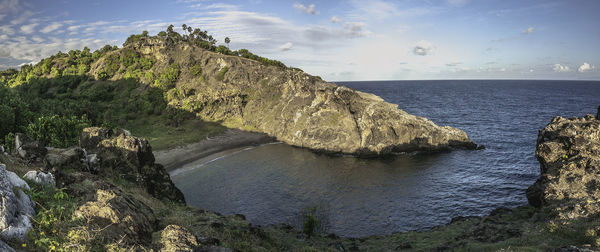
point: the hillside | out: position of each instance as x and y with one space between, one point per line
184 85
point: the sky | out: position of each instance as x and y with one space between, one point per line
339 40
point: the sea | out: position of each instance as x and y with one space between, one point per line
354 197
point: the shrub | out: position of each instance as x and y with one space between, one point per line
53 221
221 74
57 131
311 223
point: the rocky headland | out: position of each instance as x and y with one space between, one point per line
286 103
120 199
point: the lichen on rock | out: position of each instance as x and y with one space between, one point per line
569 154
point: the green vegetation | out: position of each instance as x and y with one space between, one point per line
54 225
311 223
57 131
221 74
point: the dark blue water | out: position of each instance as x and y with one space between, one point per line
357 197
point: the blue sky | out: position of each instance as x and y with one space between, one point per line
337 40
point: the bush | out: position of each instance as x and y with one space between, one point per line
311 223
53 221
168 78
57 131
221 74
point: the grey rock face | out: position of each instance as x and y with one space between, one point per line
4 247
27 148
569 154
64 158
15 206
41 178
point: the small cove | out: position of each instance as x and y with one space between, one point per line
275 183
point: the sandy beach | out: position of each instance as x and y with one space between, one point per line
174 158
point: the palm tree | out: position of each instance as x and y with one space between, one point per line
227 40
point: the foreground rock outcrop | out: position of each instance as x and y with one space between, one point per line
296 108
569 155
16 207
116 152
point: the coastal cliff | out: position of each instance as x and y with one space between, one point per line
286 103
116 198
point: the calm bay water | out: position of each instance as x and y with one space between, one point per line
357 197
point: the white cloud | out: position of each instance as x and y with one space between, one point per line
25 15
453 64
37 39
335 19
380 9
51 27
286 47
528 30
561 68
28 29
2 16
585 67
9 6
457 2
215 6
5 29
423 48
355 29
308 10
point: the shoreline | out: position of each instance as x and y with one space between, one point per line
231 139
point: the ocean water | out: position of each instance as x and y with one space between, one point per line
277 183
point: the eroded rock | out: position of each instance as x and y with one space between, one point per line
64 158
16 207
569 154
27 148
41 178
119 216
117 153
176 238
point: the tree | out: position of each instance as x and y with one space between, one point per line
227 40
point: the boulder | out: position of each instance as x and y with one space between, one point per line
73 157
118 216
4 247
15 206
569 154
41 178
176 238
27 148
117 153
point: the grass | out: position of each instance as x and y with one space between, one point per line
162 136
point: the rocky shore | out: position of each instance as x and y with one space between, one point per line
123 200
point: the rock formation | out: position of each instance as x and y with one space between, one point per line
120 154
42 178
569 154
119 216
296 108
15 207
